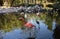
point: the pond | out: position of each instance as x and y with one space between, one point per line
12 28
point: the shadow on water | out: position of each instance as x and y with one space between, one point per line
56 34
30 38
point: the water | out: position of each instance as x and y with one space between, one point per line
47 30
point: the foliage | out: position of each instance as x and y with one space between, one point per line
58 0
1 2
16 3
51 6
9 22
57 5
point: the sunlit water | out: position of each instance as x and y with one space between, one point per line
44 32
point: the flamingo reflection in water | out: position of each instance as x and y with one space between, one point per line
31 29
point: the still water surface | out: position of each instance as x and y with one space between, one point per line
46 30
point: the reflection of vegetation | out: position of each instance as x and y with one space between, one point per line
58 19
48 19
9 22
49 22
43 16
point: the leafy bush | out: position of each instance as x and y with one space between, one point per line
16 3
